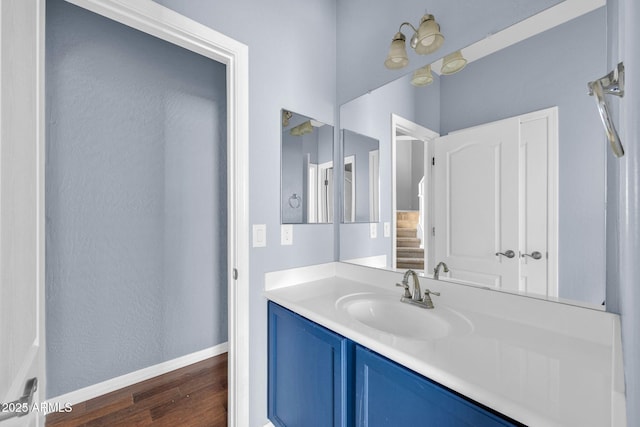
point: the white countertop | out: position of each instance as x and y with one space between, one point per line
538 362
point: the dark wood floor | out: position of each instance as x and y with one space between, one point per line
195 395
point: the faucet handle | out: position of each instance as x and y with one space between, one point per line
426 301
407 293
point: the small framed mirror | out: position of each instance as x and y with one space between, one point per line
306 170
361 173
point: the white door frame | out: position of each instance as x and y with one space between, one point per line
163 23
351 160
399 123
374 186
313 199
22 216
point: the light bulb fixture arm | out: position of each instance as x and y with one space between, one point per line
414 38
425 39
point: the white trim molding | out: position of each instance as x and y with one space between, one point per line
93 391
161 22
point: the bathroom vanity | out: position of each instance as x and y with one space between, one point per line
343 350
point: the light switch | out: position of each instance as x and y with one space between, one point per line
387 229
373 230
286 234
259 235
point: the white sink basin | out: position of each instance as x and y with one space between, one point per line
389 315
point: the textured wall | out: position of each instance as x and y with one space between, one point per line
135 200
409 172
293 166
551 69
292 65
359 146
404 175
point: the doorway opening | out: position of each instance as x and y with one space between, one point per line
412 247
162 23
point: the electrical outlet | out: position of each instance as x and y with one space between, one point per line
387 229
373 230
286 234
259 235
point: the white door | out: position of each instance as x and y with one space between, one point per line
496 218
476 203
21 211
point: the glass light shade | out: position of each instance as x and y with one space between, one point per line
422 76
429 36
397 57
302 129
453 63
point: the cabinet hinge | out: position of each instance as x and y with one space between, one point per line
433 161
433 231
235 274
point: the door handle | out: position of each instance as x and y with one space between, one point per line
508 254
22 406
534 255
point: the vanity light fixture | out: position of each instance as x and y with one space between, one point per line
453 63
302 129
422 76
286 116
426 39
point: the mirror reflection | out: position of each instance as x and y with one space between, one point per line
306 170
480 201
361 174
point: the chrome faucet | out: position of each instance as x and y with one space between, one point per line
436 271
415 298
417 294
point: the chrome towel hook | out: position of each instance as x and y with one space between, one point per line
294 201
611 84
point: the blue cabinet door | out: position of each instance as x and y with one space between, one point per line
308 381
388 394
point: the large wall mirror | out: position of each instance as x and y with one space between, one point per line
361 175
510 156
306 170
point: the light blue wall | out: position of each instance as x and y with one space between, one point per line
360 146
544 71
135 200
409 172
623 203
417 172
404 161
365 30
292 177
292 51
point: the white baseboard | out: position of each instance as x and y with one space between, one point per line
131 378
269 424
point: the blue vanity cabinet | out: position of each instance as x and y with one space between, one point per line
388 394
309 383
